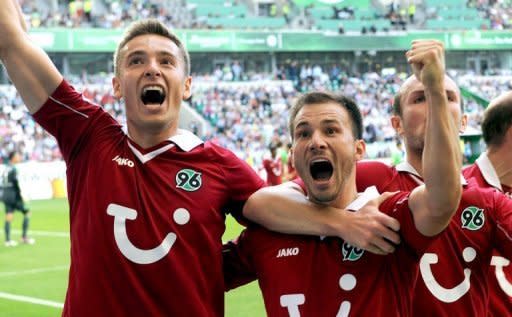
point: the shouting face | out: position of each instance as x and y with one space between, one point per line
152 80
325 151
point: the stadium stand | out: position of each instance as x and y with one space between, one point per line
246 110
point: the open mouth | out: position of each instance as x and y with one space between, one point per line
152 95
321 170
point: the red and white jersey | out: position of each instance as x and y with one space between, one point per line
146 225
274 169
454 269
500 273
317 276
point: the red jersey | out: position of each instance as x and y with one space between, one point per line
500 274
146 225
454 269
274 170
317 276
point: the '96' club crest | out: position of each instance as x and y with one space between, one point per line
188 180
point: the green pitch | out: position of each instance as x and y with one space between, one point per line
33 278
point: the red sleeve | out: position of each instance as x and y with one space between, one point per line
373 173
69 118
237 262
397 207
503 218
241 181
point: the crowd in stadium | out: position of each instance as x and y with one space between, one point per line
250 115
183 14
247 133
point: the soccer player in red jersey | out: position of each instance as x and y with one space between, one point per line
273 166
454 270
493 169
317 276
147 205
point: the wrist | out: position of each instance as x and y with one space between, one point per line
337 222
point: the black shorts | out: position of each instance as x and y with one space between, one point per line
10 207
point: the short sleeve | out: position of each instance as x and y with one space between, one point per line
69 118
397 207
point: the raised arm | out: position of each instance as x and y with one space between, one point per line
434 203
28 66
285 208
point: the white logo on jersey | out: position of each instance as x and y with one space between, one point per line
287 252
447 295
123 161
292 302
500 262
181 216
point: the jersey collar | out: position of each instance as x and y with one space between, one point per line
361 200
405 167
488 171
185 140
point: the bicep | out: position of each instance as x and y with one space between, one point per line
33 73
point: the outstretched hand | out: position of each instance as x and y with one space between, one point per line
372 230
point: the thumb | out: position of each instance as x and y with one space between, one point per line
385 196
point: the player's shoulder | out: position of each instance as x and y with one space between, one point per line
397 201
473 193
470 170
374 173
374 166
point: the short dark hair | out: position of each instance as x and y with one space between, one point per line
146 27
497 120
318 97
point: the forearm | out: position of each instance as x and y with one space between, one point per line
286 210
32 72
441 156
28 66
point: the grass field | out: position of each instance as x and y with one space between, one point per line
33 278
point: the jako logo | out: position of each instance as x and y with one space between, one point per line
123 161
287 252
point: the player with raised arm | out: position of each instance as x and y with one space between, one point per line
322 276
147 204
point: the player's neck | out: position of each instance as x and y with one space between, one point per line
416 162
147 138
501 159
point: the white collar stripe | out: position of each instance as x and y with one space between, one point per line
368 194
488 171
185 140
143 158
408 168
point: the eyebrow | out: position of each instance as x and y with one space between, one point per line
142 53
422 91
